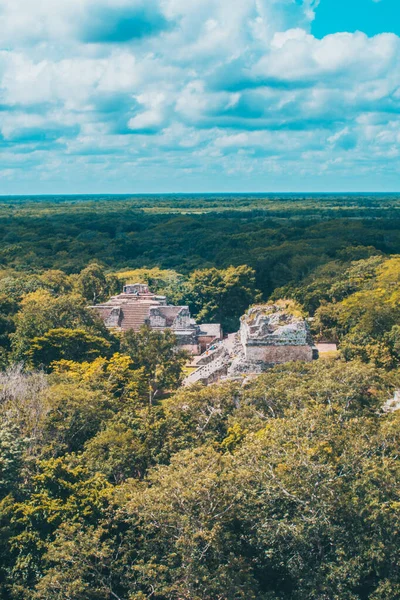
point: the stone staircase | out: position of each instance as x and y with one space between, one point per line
216 367
135 315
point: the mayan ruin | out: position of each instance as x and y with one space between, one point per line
274 334
138 306
269 335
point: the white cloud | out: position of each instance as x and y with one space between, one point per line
298 56
72 81
205 78
152 117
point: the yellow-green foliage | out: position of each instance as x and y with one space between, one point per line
116 375
291 307
202 494
363 314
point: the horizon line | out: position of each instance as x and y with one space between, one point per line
112 194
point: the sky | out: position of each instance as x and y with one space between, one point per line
157 96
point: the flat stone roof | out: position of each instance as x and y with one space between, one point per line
210 329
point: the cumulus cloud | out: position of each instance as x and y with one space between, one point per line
199 86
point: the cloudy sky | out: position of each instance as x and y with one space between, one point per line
107 96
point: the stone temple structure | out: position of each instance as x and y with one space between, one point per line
269 335
137 306
274 334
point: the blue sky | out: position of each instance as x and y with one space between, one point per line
132 96
371 17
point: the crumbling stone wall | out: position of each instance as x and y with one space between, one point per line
269 335
275 335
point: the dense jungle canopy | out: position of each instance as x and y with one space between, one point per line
282 488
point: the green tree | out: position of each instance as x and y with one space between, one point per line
66 344
115 376
12 448
8 309
41 311
157 353
59 491
57 281
297 511
120 451
74 415
221 296
81 563
95 285
15 286
392 338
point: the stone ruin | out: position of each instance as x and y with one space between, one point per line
275 334
269 335
138 306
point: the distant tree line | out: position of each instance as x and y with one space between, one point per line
283 242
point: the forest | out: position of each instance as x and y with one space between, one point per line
117 483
